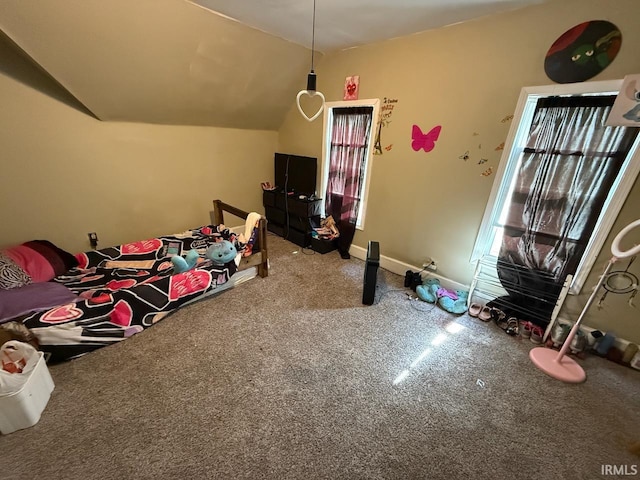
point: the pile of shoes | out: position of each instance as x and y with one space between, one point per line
509 324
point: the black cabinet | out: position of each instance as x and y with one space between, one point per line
291 217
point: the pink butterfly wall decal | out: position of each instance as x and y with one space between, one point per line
424 141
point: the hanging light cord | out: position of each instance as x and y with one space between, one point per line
313 33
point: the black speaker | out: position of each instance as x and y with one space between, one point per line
371 273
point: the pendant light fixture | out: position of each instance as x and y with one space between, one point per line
311 78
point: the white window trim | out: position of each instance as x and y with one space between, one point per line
326 147
518 131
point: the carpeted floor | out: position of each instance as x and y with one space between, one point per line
291 377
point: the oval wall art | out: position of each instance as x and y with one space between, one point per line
583 51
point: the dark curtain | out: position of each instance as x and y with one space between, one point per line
566 171
349 140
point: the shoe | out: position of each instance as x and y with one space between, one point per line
499 317
512 326
536 334
559 333
485 314
474 309
407 278
525 329
578 342
412 280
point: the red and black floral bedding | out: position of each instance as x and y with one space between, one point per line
123 290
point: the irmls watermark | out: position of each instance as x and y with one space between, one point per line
630 470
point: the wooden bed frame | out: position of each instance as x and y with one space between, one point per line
258 259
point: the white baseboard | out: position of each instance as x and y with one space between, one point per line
400 268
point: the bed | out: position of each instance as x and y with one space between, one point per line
113 293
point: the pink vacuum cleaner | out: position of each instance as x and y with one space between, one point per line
557 364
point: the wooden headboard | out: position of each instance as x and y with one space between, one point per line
260 258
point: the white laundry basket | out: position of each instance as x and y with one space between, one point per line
22 409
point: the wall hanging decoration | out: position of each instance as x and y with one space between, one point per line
311 78
583 51
626 108
424 141
351 87
388 104
482 156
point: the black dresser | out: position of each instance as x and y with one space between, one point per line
291 217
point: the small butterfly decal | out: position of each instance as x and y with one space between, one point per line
507 118
500 147
387 148
424 141
482 160
487 172
464 156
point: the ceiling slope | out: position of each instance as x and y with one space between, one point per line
160 61
344 24
16 64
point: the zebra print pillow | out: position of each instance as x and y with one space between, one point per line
11 275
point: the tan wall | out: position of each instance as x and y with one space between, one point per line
64 174
466 78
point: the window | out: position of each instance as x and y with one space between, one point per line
347 152
594 182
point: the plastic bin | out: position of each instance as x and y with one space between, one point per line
22 409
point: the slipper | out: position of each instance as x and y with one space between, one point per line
485 314
474 309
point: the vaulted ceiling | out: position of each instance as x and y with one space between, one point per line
175 62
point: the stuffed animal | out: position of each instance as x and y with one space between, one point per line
219 253
183 264
453 301
427 292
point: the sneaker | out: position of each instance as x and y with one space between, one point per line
578 342
536 334
525 329
559 333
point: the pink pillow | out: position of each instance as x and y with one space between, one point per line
41 259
